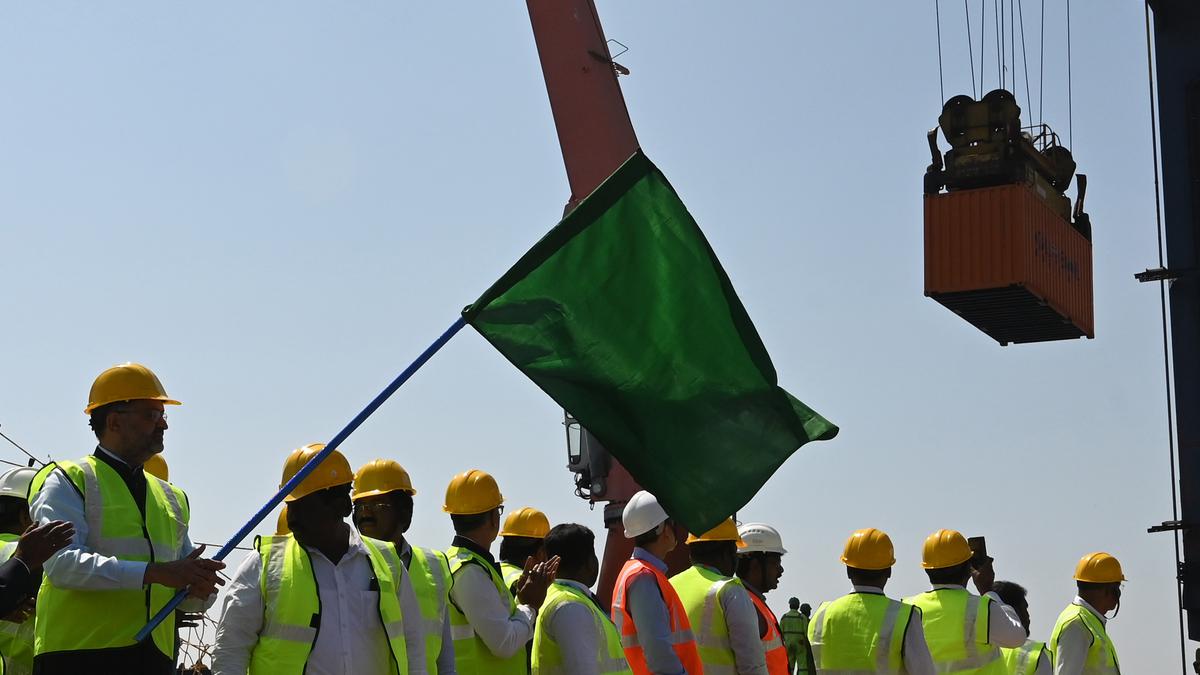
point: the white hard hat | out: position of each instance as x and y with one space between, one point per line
642 514
760 538
15 482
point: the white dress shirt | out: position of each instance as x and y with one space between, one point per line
1004 627
445 659
351 639
1074 642
504 632
76 566
914 651
572 626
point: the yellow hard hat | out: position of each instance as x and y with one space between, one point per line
945 548
126 382
726 531
380 476
1099 568
333 471
869 549
472 492
526 522
281 526
157 466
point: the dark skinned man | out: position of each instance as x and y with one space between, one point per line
759 566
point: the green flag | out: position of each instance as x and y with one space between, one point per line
624 316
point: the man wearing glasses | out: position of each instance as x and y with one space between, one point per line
383 509
131 548
488 624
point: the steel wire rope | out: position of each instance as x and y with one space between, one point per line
970 45
1162 303
937 13
1012 45
996 4
18 446
1070 118
982 42
1000 45
1042 67
1025 58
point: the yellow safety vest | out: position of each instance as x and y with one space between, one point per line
1024 660
430 575
860 633
956 630
75 620
471 654
1102 655
16 639
547 654
510 572
292 605
699 590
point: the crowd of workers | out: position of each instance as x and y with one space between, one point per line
102 543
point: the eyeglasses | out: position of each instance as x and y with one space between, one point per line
152 415
373 507
500 510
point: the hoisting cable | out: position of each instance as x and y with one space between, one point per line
1042 67
1012 46
1000 46
1070 119
970 48
937 13
17 446
1025 57
1162 301
982 42
996 4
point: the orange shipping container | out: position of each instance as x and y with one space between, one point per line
1002 259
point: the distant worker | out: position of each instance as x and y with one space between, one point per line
490 626
131 549
573 635
654 626
726 630
810 667
794 626
759 567
323 599
964 631
1080 642
866 631
16 628
157 466
383 509
521 539
1031 658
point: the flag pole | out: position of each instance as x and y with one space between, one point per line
312 464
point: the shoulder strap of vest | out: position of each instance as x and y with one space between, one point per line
39 479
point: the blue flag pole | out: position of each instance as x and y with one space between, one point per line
308 468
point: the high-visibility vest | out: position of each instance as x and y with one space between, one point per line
794 626
75 620
1102 655
682 640
773 647
699 590
16 639
429 572
547 654
956 630
510 572
471 654
860 633
292 605
1024 660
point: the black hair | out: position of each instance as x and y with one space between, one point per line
574 544
516 549
875 578
950 575
1013 594
1093 586
99 417
470 522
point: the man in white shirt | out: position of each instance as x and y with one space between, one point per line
1031 658
1080 641
334 602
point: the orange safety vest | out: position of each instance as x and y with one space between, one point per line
682 639
773 647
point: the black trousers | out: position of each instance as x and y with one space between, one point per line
140 659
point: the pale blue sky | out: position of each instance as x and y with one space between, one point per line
277 205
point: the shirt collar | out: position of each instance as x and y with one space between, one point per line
949 587
1086 605
645 556
108 455
574 584
470 544
873 590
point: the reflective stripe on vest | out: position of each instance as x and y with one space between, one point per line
956 629
429 572
1024 660
16 639
859 633
74 620
547 654
510 573
1102 654
683 642
471 655
292 605
773 647
699 590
